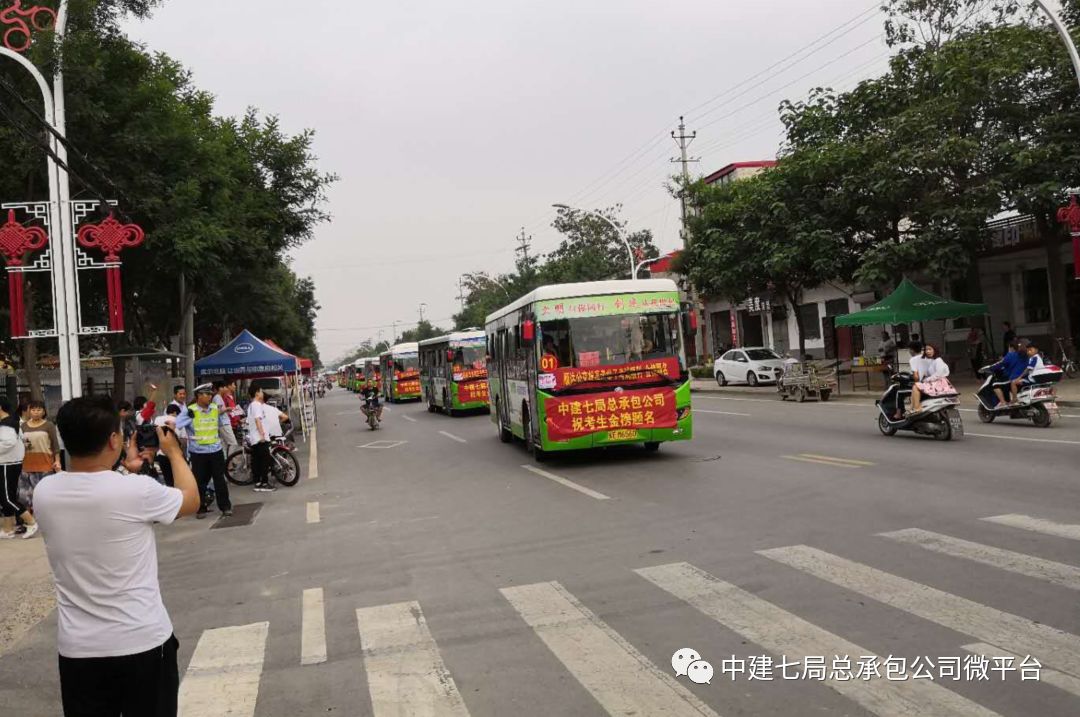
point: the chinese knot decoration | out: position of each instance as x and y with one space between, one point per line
15 241
1070 217
22 22
111 237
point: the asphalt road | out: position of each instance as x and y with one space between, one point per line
441 574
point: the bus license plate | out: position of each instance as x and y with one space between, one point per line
622 435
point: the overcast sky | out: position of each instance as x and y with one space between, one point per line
452 125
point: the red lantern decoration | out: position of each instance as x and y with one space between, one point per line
1070 216
15 241
112 237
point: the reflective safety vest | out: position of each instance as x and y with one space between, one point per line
204 424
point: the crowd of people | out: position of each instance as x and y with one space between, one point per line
207 430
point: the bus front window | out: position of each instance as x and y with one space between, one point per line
470 357
611 340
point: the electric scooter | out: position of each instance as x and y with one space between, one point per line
1036 399
938 416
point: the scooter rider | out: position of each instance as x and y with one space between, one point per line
915 366
370 393
1034 363
933 378
1013 365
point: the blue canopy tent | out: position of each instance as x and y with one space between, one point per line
247 356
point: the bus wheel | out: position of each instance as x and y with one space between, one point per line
430 405
652 446
504 433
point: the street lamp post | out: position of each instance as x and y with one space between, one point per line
60 220
494 282
1065 37
619 232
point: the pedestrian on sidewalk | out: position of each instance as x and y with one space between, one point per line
202 421
12 451
114 637
1008 337
976 349
259 439
222 399
42 451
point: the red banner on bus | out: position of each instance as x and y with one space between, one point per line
637 372
573 416
469 374
472 392
408 387
407 374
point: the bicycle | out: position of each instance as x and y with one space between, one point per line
284 467
1068 365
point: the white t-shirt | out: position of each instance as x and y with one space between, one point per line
918 365
99 536
272 421
256 410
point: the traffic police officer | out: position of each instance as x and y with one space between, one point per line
203 422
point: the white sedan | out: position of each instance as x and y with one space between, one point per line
753 365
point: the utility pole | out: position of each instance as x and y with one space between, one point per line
524 242
461 294
683 140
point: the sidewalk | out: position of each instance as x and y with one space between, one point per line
1068 390
28 595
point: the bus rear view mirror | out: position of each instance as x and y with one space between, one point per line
528 330
449 354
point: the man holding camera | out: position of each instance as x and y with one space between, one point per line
203 421
115 638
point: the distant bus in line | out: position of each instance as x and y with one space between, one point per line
575 366
400 371
453 372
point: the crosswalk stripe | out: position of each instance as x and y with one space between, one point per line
1019 634
313 455
1060 680
1037 525
222 679
1049 570
406 675
312 628
783 633
619 677
313 515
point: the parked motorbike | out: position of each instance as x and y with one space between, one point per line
371 408
1036 400
938 416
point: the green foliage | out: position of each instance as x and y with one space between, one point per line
221 199
423 330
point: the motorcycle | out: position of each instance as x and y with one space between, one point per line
938 416
371 408
1036 400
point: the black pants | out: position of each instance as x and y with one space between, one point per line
211 465
260 462
142 685
9 491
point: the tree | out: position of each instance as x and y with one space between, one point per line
424 330
592 250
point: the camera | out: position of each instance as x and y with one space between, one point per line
146 436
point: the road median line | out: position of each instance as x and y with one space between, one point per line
568 483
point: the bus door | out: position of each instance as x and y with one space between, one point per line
502 353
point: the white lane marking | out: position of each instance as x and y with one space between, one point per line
819 461
1036 525
222 679
410 419
452 437
621 679
1058 573
349 413
1021 438
1019 634
568 483
831 404
313 456
312 628
383 444
780 632
406 675
1050 677
313 512
975 410
721 413
835 459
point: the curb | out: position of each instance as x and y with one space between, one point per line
844 397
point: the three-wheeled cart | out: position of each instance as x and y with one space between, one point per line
805 380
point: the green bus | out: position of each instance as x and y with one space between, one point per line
453 372
576 366
399 369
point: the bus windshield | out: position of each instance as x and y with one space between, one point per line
406 362
470 356
612 340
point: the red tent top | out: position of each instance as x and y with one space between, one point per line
305 364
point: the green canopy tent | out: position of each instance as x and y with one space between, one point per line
910 303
